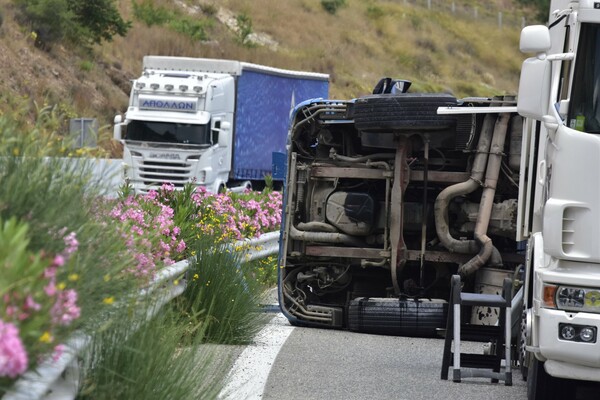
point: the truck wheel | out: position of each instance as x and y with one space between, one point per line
392 316
406 111
541 386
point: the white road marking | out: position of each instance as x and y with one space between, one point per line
247 378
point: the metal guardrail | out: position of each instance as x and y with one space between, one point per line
55 379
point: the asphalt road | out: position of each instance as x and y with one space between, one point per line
306 363
332 365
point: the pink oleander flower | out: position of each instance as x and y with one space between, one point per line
58 261
65 310
167 187
59 349
71 243
13 357
151 195
50 288
30 304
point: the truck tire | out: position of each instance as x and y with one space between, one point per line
541 386
402 317
406 111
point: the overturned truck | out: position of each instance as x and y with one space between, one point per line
389 195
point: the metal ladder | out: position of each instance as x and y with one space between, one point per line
469 365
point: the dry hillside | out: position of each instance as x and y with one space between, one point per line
464 52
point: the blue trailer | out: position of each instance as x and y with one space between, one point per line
264 99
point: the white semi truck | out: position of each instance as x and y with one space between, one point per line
214 123
389 195
559 212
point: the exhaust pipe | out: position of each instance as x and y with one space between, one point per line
487 199
443 200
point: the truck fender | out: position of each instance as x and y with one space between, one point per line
219 186
532 297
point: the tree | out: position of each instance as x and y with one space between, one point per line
99 20
50 19
80 21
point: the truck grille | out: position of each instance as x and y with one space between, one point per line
155 173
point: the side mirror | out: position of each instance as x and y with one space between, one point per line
534 88
225 134
535 39
117 128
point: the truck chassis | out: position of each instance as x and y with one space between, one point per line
386 199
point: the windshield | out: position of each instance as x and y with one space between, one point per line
168 132
584 113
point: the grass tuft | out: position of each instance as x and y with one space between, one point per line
219 299
133 359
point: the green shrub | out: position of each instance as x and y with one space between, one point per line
193 28
244 23
80 21
51 20
86 65
331 6
149 14
374 12
97 21
209 9
43 202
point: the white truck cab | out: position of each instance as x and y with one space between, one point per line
559 213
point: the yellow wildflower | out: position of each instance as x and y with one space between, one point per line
61 286
46 337
108 300
73 277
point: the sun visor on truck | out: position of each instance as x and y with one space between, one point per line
589 11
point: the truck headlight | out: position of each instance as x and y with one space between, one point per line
570 298
567 297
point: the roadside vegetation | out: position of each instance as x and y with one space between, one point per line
57 54
73 260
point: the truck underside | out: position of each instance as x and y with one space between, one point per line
386 199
